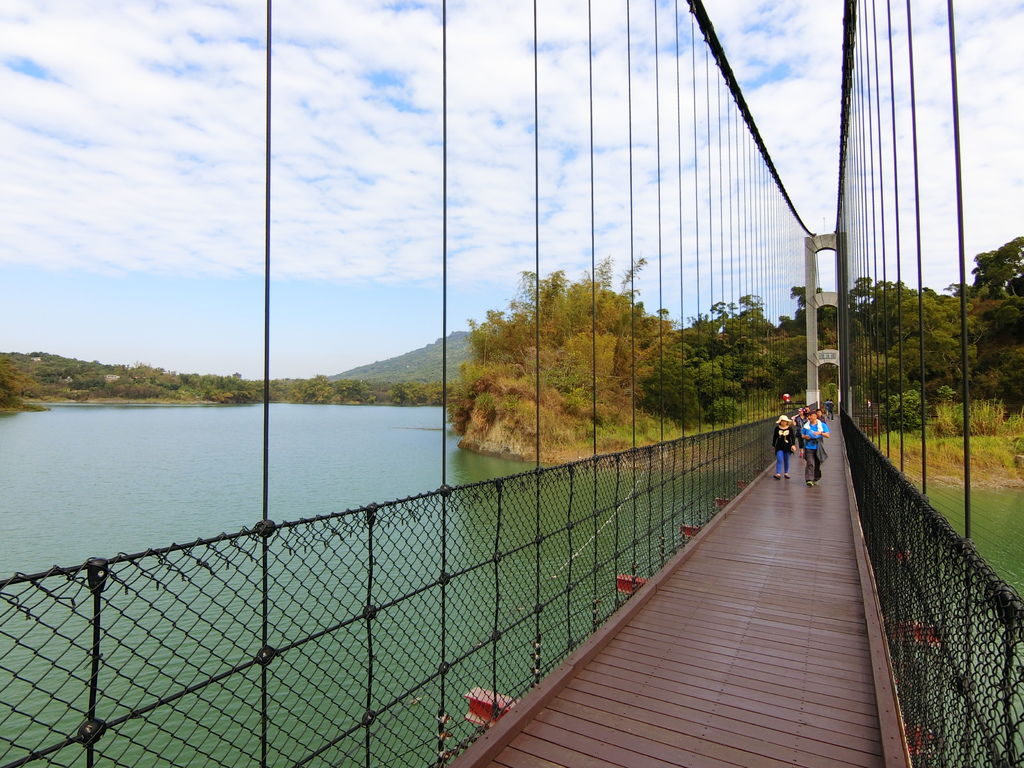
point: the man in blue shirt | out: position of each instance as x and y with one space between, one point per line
814 432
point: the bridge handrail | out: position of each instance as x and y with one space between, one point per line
351 638
955 629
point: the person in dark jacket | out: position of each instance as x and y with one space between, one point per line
798 424
784 441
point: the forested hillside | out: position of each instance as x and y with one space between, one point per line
636 368
725 365
42 377
422 365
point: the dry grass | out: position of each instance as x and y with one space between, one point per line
992 460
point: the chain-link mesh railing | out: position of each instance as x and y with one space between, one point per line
352 638
955 630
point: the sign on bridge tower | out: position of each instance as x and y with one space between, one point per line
814 300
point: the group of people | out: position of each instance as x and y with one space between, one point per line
806 432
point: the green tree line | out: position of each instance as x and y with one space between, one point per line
885 321
605 359
41 377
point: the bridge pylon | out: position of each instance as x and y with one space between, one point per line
814 300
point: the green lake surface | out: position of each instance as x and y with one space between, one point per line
82 481
997 526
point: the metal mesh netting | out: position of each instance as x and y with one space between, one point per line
954 628
352 638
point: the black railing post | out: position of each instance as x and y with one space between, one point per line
90 731
369 613
495 631
595 601
442 667
569 640
615 542
538 540
1011 606
264 528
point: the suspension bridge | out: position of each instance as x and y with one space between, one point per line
669 604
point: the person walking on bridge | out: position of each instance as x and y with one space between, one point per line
784 442
814 433
830 408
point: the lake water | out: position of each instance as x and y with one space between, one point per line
79 481
997 526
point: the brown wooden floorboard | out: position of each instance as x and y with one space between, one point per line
753 652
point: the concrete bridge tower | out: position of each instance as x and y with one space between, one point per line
814 301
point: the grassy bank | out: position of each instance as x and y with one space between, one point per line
997 438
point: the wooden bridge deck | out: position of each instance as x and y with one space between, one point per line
758 645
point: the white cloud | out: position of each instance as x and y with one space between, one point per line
143 150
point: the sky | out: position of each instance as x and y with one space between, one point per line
132 147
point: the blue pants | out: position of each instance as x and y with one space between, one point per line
781 460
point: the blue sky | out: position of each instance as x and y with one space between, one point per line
131 142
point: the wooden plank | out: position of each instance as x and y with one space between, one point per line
775 744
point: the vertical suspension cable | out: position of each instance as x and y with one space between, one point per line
917 234
632 287
964 372
679 176
593 312
661 314
632 262
536 238
721 194
264 540
536 233
881 194
444 235
873 229
732 231
867 314
593 244
899 246
441 716
711 232
661 302
696 201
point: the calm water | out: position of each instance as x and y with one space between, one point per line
92 480
997 526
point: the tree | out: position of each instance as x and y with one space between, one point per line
13 384
1001 271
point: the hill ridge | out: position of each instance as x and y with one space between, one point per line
422 365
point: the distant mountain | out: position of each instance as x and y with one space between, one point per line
422 364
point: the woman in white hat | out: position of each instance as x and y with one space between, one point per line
784 441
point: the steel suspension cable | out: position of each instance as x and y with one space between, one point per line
632 281
696 199
593 244
873 226
711 231
632 261
441 716
721 194
661 302
899 245
881 195
536 234
964 371
679 176
264 543
661 307
536 267
732 231
917 240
